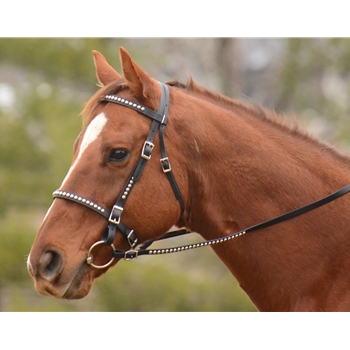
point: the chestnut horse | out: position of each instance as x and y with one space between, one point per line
225 166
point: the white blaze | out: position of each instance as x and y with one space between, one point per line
91 134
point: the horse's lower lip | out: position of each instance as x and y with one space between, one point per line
76 289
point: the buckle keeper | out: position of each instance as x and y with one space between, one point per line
164 162
116 213
132 239
131 254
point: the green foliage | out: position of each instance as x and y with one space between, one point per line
315 84
50 80
189 281
57 60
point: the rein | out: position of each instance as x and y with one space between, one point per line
114 216
131 254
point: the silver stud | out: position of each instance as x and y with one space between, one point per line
123 197
142 108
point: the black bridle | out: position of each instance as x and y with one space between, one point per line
159 121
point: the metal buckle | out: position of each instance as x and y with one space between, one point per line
143 154
132 240
116 213
164 162
131 254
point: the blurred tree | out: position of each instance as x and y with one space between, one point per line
315 84
49 80
43 86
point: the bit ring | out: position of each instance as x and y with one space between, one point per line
89 259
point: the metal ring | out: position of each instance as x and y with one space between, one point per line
89 258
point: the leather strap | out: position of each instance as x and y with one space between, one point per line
114 216
300 211
128 255
159 121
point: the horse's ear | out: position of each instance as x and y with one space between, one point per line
104 72
142 85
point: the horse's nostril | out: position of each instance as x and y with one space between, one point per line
50 265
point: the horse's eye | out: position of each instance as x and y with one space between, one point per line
118 155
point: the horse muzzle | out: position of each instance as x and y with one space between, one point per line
52 277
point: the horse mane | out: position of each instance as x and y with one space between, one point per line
280 121
289 125
239 106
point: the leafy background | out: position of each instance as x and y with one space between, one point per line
44 83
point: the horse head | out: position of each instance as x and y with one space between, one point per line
112 151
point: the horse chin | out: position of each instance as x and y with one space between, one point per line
80 285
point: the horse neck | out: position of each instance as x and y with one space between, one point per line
243 170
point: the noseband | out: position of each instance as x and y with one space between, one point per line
159 121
